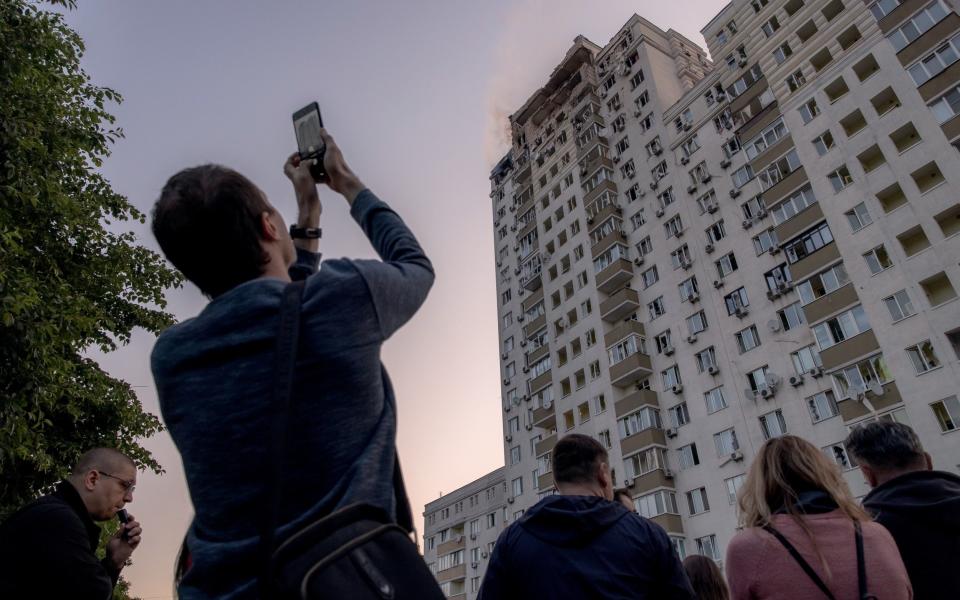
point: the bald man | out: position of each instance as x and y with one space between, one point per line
48 548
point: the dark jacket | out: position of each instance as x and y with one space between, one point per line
214 376
47 550
582 547
922 512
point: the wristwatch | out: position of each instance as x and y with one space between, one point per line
305 233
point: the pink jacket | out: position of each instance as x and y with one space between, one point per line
760 568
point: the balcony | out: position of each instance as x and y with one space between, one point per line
534 326
532 280
634 401
642 439
831 303
615 236
771 154
604 186
623 330
545 445
541 381
815 262
545 481
615 276
629 371
799 222
591 166
620 304
851 409
788 184
545 418
458 542
651 481
671 523
457 572
849 350
537 353
603 214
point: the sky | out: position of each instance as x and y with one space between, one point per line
417 95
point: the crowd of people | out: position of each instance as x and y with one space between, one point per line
275 452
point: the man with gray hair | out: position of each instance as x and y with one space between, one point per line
919 506
48 548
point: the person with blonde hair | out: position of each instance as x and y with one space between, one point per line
805 537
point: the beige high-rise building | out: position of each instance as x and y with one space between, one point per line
693 257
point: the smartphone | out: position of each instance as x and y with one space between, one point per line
123 517
306 124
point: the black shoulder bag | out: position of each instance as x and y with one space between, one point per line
356 552
861 567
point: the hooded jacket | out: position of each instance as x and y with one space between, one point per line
922 512
584 547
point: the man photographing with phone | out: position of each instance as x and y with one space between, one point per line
48 548
216 373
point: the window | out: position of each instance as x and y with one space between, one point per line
508 319
666 197
450 560
604 437
773 425
736 300
841 327
947 412
923 357
858 217
654 148
679 415
688 456
663 342
809 110
823 283
645 418
697 501
779 169
824 142
708 547
689 289
934 63
838 454
758 4
855 379
715 400
782 53
690 146
644 462
657 503
726 442
515 455
899 305
708 202
791 316
697 322
645 246
491 520
770 27
770 135
650 276
919 23
808 243
742 176
747 339
656 308
716 232
599 404
673 227
878 259
947 106
796 80
636 80
806 359
793 205
882 8
626 348
822 405
681 257
517 486
637 220
733 486
726 265
758 378
670 377
615 253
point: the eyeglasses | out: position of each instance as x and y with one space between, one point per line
128 484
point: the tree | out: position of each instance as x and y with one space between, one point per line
72 276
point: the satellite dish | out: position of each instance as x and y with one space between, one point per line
547 404
876 388
773 325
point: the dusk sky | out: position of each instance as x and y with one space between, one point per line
417 94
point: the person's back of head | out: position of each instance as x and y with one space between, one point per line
622 495
786 467
581 467
886 449
706 578
209 224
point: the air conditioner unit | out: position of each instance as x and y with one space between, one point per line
717 283
678 233
684 160
671 432
509 499
473 536
693 297
687 126
504 356
691 188
705 178
638 261
734 193
725 163
638 113
474 565
686 264
616 158
483 554
711 208
736 455
506 381
668 473
589 220
784 286
721 97
520 318
742 311
516 271
676 389
772 294
747 224
526 369
816 372
529 427
523 343
713 369
766 392
692 338
796 380
526 398
603 93
659 212
708 248
774 249
761 213
583 172
774 325
508 438
743 61
628 482
657 151
668 350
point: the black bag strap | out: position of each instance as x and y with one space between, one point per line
288 337
801 561
861 564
